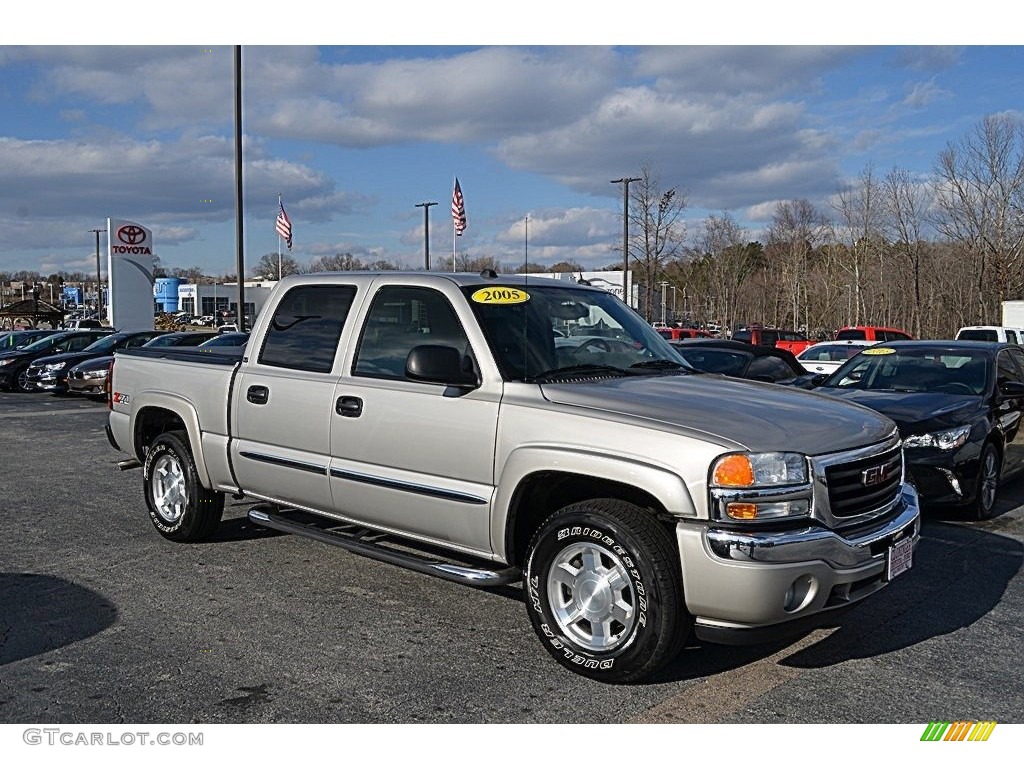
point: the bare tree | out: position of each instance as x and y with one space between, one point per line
797 228
980 203
728 260
906 205
268 266
657 230
861 212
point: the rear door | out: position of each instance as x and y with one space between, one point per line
283 398
406 455
1010 410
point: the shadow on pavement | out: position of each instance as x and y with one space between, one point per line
40 613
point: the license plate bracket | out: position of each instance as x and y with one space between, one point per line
899 558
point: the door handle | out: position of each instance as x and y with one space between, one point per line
257 395
349 406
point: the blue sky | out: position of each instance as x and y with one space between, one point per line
353 136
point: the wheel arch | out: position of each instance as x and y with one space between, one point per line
155 415
527 495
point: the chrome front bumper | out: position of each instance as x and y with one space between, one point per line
762 585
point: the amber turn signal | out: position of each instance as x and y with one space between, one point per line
733 472
739 511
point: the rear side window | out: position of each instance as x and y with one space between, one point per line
307 323
1011 336
769 369
851 333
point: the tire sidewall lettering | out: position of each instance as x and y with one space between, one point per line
576 656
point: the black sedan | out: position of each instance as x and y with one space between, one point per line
90 377
958 406
14 363
17 339
744 361
50 373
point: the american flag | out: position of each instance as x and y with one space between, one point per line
458 209
284 225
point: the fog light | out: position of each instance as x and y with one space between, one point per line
800 593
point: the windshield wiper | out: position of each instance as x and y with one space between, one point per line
662 365
569 370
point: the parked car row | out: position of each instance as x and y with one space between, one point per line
76 362
958 405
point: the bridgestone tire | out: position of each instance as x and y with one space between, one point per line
179 507
604 591
988 483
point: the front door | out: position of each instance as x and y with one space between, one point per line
408 456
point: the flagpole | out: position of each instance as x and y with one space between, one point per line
280 207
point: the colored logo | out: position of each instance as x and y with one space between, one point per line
131 234
960 730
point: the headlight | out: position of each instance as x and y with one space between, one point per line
54 366
99 373
760 486
750 470
5 362
946 440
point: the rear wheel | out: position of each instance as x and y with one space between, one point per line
179 507
988 482
604 591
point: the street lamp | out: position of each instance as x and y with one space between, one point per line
664 285
625 235
99 285
426 232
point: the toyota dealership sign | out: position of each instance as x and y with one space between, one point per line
130 266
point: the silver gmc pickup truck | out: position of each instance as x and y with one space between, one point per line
494 430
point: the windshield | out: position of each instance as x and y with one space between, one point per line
538 330
927 369
829 353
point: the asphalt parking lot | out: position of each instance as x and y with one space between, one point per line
103 621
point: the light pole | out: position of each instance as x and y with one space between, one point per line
664 285
99 291
625 235
426 233
675 306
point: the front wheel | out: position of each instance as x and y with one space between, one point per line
21 381
179 507
988 483
604 591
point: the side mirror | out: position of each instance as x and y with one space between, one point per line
439 364
1011 389
818 379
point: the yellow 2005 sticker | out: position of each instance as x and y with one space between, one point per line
879 351
500 296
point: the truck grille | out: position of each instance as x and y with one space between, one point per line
865 484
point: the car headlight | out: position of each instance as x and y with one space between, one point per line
98 373
760 486
54 366
747 470
5 362
946 440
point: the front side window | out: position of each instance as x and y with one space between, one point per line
400 318
768 368
304 331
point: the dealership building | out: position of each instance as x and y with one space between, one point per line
210 299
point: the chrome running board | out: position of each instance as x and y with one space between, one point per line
363 541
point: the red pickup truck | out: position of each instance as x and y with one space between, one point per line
791 341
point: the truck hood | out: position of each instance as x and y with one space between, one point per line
750 415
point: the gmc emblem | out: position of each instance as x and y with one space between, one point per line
875 475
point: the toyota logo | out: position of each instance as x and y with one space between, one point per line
131 234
